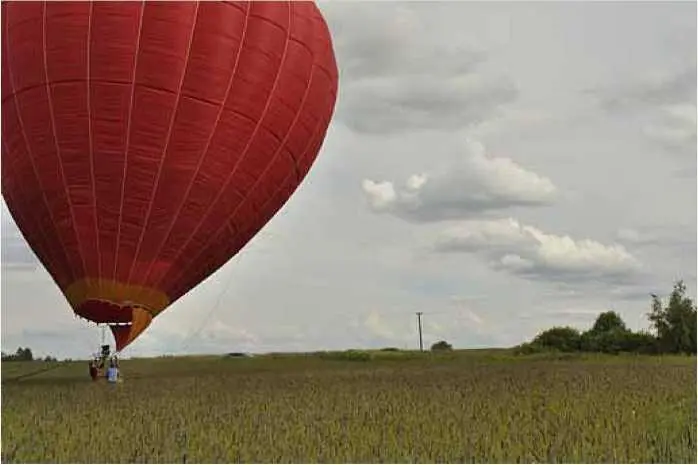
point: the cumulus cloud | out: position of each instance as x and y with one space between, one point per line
531 253
396 79
466 185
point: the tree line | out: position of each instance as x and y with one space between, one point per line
673 331
24 354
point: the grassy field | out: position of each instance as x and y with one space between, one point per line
472 406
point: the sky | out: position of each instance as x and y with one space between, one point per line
501 167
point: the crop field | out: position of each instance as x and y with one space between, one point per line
468 406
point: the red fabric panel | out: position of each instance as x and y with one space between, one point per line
97 310
121 334
148 143
66 60
30 146
112 61
20 185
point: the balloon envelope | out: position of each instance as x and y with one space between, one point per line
145 143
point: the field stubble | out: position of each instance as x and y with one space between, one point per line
315 409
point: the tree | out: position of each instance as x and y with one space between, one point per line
675 323
564 339
22 355
608 321
441 345
25 354
609 334
612 341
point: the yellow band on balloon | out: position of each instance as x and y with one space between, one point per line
141 319
106 289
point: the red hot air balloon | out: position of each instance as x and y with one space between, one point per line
145 143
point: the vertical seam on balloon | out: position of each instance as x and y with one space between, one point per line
91 154
266 169
128 140
274 157
61 170
247 147
154 190
66 262
208 143
311 142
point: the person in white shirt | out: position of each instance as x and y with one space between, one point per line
113 371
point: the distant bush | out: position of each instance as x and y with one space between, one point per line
674 324
237 355
528 348
642 343
568 340
441 346
564 339
610 342
618 340
390 349
351 355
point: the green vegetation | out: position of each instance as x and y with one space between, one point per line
441 345
674 328
676 322
559 398
391 406
22 355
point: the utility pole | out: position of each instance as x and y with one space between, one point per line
419 325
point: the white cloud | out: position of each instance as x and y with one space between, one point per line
381 195
378 327
532 253
466 185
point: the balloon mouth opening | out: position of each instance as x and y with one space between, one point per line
126 321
